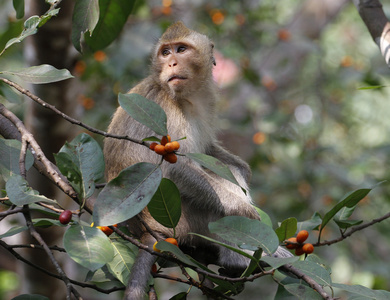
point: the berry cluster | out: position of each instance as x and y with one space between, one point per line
298 243
166 149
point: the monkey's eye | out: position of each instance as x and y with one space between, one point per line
165 52
181 49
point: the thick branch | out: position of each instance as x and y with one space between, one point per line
378 25
44 165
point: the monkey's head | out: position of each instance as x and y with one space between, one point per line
183 60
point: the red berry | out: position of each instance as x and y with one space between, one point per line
65 217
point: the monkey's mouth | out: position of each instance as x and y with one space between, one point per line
176 77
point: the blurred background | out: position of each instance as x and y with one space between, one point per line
289 74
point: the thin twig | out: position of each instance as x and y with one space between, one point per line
66 117
311 282
353 230
81 284
69 287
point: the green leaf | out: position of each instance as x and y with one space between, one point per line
345 224
165 206
45 222
287 229
253 265
88 246
145 111
9 158
246 233
124 258
372 87
30 28
20 193
276 262
19 8
127 195
30 297
264 217
41 74
243 253
302 291
82 162
310 224
71 171
214 165
314 271
14 230
113 15
85 17
180 296
364 292
165 246
349 201
9 94
100 275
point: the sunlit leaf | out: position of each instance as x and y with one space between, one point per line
88 246
124 258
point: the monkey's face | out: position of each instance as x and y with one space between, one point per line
180 67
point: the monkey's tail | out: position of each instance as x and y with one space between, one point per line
140 271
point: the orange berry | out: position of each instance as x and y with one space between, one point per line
173 241
160 149
302 236
284 35
154 268
175 145
99 56
299 251
152 146
308 248
169 147
107 230
165 139
291 246
170 157
154 247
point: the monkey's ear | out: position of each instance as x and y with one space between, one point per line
213 58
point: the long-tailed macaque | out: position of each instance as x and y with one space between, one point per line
181 82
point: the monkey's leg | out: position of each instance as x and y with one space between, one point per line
140 271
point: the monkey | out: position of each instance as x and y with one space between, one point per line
181 82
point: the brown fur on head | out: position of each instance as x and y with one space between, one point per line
201 60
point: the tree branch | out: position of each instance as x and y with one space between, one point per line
378 25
